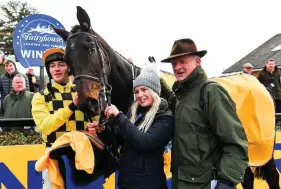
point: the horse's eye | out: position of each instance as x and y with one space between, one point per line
89 40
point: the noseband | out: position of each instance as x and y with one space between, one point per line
106 89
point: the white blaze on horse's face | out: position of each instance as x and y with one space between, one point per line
59 71
143 96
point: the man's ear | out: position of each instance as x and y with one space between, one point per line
198 61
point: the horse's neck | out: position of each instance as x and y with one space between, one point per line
121 79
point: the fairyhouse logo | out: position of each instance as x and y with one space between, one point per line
33 36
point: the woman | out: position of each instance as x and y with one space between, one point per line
146 131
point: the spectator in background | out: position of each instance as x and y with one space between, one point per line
17 104
270 78
7 77
248 68
33 80
2 67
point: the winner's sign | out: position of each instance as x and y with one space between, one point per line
32 36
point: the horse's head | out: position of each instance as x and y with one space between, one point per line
89 62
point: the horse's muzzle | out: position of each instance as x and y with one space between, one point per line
90 107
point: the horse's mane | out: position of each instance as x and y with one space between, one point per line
127 61
75 28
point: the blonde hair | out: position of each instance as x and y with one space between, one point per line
150 115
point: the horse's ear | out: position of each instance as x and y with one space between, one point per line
61 32
83 18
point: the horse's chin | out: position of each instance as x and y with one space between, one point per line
89 107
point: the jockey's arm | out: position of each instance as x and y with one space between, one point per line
44 120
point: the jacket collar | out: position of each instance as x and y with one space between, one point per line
12 74
247 73
63 88
14 94
163 106
196 77
29 75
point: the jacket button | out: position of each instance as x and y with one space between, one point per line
192 179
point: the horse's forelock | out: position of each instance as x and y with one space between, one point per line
75 28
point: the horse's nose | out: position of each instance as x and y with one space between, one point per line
92 104
89 106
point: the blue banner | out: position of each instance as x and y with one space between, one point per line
33 35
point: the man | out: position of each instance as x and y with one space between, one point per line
2 67
33 80
17 104
248 68
269 76
208 144
54 109
7 77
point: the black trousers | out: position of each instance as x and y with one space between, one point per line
270 173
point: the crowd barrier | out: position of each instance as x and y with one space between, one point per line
17 162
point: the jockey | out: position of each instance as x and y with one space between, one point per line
55 108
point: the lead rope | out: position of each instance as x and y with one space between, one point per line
112 149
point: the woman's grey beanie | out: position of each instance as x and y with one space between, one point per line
149 77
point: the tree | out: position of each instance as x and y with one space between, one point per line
10 14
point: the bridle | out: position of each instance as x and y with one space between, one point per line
105 91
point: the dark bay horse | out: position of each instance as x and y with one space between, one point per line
98 68
101 75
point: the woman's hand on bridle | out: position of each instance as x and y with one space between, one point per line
111 111
94 128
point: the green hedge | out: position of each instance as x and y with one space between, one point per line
8 138
278 126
